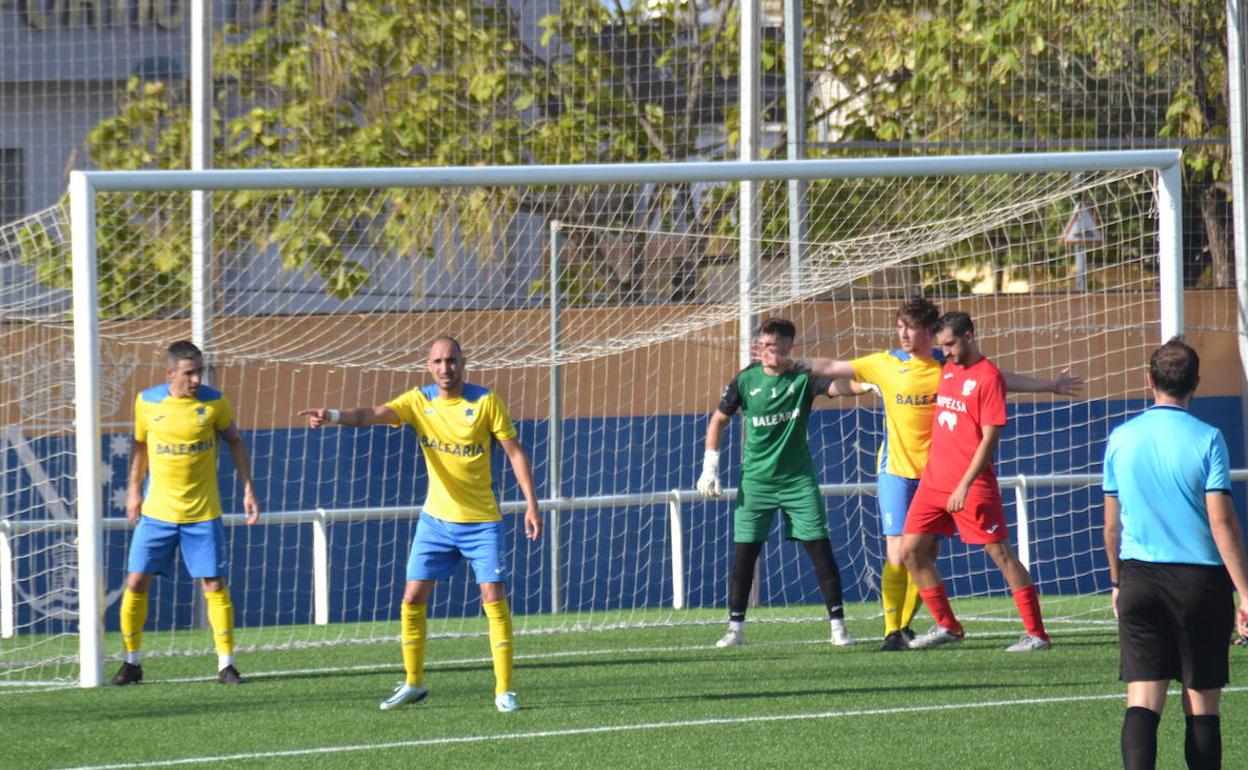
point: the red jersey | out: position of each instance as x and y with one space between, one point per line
968 399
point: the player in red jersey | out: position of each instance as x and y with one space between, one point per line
958 487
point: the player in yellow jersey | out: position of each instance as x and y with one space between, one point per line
177 429
456 423
907 379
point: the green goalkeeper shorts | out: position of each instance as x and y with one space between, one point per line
798 500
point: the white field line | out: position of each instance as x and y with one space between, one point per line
41 687
599 730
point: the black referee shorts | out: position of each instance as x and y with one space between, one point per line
1175 622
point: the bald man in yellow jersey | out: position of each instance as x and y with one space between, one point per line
177 428
907 379
456 423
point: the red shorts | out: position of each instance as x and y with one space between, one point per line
981 520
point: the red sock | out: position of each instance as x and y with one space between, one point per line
1028 602
937 602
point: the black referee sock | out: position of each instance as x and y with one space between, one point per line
1139 738
1203 748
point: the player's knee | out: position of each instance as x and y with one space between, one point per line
912 554
493 592
416 592
1002 555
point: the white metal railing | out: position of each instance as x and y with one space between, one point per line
674 500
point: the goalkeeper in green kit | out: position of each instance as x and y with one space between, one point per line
776 472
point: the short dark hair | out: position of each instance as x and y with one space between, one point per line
183 350
1175 368
459 349
957 322
779 327
921 312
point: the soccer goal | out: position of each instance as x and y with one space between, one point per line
609 306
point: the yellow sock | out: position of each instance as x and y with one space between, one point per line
133 616
500 644
892 595
221 619
412 617
910 607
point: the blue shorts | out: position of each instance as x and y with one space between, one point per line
893 496
205 551
439 545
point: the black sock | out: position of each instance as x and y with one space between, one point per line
829 575
1139 738
1203 748
741 579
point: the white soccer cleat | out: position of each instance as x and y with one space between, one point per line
405 695
1029 643
731 638
506 703
937 636
841 636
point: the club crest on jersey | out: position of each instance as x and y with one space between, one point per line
968 386
201 414
470 415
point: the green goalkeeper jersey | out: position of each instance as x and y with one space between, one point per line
776 411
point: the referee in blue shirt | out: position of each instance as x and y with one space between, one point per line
1173 541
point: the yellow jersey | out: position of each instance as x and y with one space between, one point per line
181 438
908 386
456 437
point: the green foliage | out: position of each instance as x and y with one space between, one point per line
416 82
1031 70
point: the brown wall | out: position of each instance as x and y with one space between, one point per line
1104 337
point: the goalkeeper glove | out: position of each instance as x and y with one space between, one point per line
708 483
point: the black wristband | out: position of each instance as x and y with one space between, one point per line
1113 584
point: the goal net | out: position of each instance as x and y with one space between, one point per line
328 297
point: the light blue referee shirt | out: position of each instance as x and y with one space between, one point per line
1160 465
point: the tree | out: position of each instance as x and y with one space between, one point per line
1033 73
421 82
394 83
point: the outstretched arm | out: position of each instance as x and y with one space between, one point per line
524 477
1064 384
850 388
819 367
828 367
357 417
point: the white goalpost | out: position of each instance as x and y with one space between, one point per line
606 305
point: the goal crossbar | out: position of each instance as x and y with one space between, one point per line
658 173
